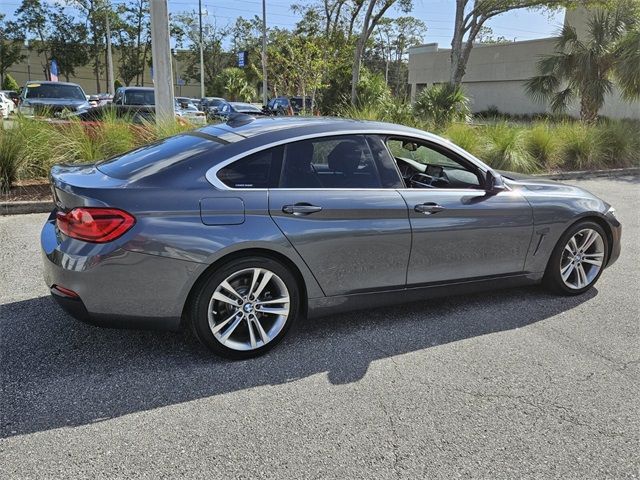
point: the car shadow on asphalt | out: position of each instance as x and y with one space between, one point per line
58 372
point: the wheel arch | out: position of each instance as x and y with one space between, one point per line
247 252
589 217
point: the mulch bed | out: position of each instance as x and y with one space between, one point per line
28 190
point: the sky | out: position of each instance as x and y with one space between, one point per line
437 14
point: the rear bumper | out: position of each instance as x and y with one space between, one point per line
116 287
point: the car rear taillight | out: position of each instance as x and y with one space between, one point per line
92 224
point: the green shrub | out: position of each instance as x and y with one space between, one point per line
505 149
442 104
465 136
579 146
372 90
542 144
10 158
618 143
9 83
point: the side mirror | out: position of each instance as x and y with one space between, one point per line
494 182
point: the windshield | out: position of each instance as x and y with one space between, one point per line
49 90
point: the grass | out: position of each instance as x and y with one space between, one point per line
30 147
544 145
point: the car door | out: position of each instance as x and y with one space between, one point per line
345 220
459 230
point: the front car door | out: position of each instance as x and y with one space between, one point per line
459 230
341 211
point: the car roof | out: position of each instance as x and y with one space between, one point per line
146 89
251 127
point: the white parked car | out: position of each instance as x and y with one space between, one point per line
7 105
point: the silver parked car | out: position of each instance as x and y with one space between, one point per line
238 229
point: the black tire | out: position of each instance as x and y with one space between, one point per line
198 310
552 279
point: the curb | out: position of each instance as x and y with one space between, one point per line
18 208
577 175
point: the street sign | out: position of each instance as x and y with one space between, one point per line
181 82
243 59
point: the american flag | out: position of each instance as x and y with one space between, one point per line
54 71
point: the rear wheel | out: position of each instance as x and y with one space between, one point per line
578 259
245 307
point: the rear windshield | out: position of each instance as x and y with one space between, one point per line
50 90
156 157
139 97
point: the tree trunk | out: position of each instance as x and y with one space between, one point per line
588 111
357 59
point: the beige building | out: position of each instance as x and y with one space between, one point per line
496 74
32 68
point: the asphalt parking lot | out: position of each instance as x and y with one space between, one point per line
511 384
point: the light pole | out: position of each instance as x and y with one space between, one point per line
175 59
264 52
201 49
26 44
110 80
161 54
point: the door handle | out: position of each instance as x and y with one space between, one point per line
301 209
428 208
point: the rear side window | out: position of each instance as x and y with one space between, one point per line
156 157
260 170
331 162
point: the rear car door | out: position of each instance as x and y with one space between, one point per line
459 230
341 211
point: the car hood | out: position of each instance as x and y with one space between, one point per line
544 186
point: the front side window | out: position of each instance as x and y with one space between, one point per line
331 162
260 170
428 166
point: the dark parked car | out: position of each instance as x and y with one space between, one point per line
51 98
134 96
289 105
226 109
238 229
133 113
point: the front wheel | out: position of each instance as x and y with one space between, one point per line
245 307
578 259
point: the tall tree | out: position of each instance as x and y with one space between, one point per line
373 14
133 39
93 12
31 17
471 16
216 59
11 42
67 42
587 68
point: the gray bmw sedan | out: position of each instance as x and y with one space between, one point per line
238 229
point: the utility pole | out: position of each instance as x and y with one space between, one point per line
201 50
264 52
110 80
161 53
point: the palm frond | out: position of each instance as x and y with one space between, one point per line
541 87
560 100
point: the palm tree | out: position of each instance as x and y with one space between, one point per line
236 86
587 68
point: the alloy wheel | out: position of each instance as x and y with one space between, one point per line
248 309
582 259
